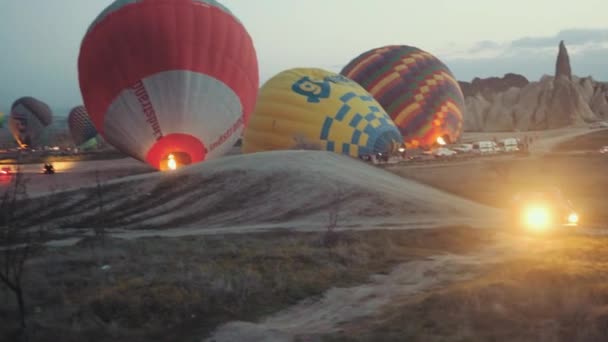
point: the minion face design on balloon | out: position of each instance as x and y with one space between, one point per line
312 108
314 90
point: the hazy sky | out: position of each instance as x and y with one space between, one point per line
40 39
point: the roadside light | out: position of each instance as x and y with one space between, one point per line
171 163
573 218
440 141
537 218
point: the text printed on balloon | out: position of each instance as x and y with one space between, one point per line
144 100
222 139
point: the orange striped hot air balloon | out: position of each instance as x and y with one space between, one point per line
416 89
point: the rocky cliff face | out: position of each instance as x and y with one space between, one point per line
492 85
596 94
512 103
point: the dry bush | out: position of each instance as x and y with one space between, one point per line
18 243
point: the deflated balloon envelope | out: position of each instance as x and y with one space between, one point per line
310 108
415 88
28 121
81 127
168 77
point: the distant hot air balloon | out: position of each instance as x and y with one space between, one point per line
168 78
81 128
308 108
28 120
415 88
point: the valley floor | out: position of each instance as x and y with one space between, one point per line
455 283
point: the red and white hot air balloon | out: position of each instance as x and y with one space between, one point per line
167 80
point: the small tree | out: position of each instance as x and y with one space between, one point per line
16 241
98 226
330 237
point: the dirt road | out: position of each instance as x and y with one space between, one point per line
74 174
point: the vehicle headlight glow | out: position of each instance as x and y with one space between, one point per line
537 218
573 218
441 141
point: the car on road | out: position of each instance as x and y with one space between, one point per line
542 210
441 152
463 148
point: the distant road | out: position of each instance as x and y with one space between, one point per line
74 174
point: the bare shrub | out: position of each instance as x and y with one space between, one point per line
330 237
16 242
98 227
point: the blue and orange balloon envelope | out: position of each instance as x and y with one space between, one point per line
164 78
309 108
415 88
81 127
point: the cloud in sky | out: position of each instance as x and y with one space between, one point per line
532 56
571 37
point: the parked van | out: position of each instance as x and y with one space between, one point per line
485 147
509 145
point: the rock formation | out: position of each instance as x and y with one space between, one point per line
491 85
562 66
596 94
513 103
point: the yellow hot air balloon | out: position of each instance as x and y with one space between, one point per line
310 108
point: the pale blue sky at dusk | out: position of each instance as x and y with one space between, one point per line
40 39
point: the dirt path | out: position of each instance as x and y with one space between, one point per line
547 144
314 317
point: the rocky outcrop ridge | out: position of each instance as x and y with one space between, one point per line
492 85
512 103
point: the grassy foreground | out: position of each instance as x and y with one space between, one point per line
180 289
555 290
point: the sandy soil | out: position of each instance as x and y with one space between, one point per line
281 189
